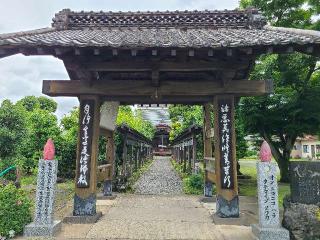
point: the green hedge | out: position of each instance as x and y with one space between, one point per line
14 210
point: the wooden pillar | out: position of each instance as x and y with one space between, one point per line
138 156
207 145
194 152
110 157
189 158
124 156
225 155
184 159
87 154
134 155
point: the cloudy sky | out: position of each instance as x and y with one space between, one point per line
22 76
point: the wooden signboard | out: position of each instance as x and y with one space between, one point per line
226 142
85 148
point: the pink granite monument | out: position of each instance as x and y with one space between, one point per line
265 152
49 150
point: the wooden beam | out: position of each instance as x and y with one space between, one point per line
270 50
96 51
114 52
154 52
173 88
155 78
134 52
191 53
210 53
136 66
77 52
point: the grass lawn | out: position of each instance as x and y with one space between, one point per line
248 187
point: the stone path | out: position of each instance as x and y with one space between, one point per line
161 178
154 217
165 214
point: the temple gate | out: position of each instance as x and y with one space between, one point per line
187 57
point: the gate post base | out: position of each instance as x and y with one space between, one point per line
208 188
227 209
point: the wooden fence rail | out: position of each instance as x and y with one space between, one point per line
184 148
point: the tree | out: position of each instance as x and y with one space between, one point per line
66 145
293 109
13 135
12 129
134 120
183 116
47 104
42 124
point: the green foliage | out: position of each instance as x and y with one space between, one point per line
31 103
47 104
293 109
67 144
43 125
287 13
26 126
193 184
183 116
12 129
318 214
134 120
5 163
248 187
14 210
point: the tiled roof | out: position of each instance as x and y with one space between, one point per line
67 19
173 37
212 29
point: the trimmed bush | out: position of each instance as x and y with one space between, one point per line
193 184
14 210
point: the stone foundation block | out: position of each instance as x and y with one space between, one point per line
270 233
45 230
227 209
208 188
83 219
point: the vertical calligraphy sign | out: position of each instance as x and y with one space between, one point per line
85 146
225 108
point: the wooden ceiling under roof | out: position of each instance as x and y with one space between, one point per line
159 57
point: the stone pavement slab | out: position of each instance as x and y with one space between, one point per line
154 217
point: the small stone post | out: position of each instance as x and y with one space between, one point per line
269 225
43 224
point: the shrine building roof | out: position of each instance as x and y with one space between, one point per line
169 29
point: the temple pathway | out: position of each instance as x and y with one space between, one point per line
132 216
160 178
167 214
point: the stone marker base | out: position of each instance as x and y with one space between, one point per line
270 233
208 188
227 209
84 219
36 230
100 196
244 219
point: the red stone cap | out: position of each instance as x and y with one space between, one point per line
49 151
265 152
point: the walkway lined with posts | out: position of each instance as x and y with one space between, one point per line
132 152
184 148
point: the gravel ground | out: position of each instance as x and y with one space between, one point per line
161 178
